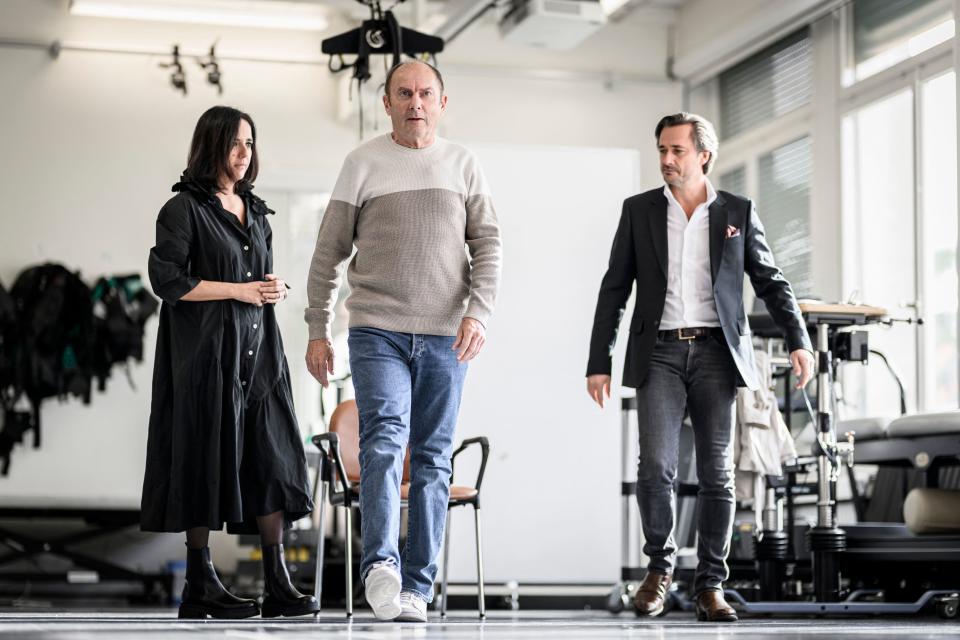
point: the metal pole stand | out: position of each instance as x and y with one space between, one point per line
323 482
773 544
827 540
631 537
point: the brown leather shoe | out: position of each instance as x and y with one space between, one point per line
652 595
711 607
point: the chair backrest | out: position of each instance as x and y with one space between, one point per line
345 422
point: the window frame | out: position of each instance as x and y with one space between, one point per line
822 119
910 74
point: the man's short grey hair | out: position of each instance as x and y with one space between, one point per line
704 135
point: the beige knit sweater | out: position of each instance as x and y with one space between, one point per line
427 241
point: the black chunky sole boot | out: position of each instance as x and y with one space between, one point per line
280 597
205 596
201 612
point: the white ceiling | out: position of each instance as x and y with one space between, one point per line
634 10
633 43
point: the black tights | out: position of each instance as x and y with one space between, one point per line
271 531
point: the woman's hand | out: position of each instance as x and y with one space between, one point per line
274 290
248 292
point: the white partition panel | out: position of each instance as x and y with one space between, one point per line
551 493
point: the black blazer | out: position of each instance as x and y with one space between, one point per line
640 254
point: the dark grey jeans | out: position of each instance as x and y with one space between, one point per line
698 376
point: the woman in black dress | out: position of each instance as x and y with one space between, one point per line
224 446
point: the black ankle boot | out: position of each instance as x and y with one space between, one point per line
204 595
280 597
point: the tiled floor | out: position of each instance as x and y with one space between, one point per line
551 625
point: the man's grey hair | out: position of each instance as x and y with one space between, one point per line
704 135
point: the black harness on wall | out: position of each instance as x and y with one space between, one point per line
56 335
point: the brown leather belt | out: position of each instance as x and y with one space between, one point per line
690 333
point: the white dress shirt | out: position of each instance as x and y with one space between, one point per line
689 301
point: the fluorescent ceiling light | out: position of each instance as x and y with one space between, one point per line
611 6
272 14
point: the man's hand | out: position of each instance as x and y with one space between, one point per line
320 360
598 386
470 339
803 366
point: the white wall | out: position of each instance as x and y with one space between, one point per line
92 144
93 141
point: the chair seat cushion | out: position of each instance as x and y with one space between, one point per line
462 493
864 428
456 492
925 424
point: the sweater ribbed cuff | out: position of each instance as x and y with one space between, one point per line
318 325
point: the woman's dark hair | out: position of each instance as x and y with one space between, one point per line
210 148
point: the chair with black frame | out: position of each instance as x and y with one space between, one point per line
338 477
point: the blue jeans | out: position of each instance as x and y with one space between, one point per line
699 377
408 389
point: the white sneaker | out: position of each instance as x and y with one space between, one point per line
382 590
413 608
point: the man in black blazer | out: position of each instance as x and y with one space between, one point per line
687 248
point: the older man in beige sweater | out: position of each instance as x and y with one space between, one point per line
423 283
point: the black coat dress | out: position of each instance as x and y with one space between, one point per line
223 445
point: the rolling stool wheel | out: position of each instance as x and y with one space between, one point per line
947 606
